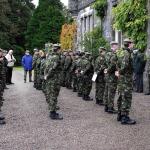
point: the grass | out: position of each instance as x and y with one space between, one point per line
18 68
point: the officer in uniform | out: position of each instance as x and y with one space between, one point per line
125 74
53 81
100 82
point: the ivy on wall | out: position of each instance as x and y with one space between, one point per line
130 17
100 6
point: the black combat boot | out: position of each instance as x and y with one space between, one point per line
79 94
125 120
87 98
106 108
74 90
99 102
1 116
111 110
2 122
55 116
119 116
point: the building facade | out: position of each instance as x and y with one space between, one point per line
86 19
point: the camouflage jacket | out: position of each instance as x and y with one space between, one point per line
54 67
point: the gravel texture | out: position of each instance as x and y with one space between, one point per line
85 125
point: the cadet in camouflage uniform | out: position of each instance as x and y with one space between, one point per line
112 79
53 82
78 73
87 71
100 82
2 118
67 67
63 73
38 69
42 68
125 74
35 57
73 73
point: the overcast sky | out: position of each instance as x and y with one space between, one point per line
63 1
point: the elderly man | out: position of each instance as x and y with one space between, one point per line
11 61
27 64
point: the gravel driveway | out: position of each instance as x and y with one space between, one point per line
85 125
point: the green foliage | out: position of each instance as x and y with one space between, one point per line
100 7
45 25
14 16
130 17
93 40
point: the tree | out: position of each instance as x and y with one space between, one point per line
45 24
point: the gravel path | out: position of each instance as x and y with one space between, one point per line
85 125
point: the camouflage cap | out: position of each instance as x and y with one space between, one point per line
102 48
35 49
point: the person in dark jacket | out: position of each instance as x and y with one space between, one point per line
27 64
139 69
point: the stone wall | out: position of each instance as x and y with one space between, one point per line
146 80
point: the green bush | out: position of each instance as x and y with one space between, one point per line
93 40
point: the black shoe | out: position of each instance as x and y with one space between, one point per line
24 81
106 109
12 83
30 81
99 102
2 122
112 111
55 116
125 120
79 94
6 88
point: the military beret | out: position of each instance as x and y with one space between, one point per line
113 42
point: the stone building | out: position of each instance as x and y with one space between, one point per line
86 19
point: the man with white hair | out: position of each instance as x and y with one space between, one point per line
11 61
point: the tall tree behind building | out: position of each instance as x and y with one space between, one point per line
45 24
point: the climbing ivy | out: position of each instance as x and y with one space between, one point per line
100 6
130 16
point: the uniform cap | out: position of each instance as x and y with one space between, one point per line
128 40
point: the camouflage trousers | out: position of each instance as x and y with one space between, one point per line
80 85
53 89
35 78
68 80
63 77
109 94
75 82
1 96
100 89
124 101
87 85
